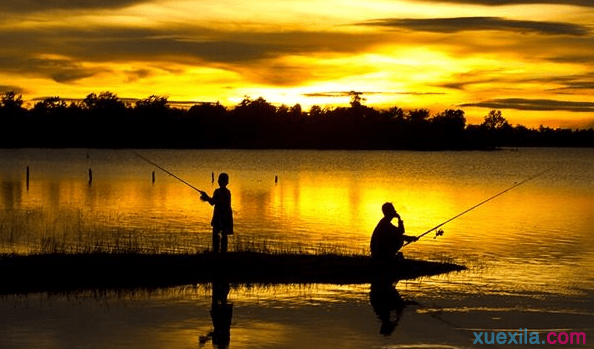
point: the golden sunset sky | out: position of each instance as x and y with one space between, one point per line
532 60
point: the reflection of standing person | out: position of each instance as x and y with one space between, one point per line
221 314
222 218
387 238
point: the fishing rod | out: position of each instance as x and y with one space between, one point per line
440 232
169 173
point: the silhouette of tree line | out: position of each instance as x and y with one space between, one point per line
104 120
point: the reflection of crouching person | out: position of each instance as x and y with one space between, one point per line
387 239
222 218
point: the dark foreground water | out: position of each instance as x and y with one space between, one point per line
530 252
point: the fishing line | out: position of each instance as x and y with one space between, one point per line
477 205
169 173
202 192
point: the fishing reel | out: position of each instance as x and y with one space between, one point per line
438 233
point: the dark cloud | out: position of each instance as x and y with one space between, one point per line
224 47
256 56
25 6
279 73
571 83
585 3
533 105
78 100
251 54
572 59
568 84
363 93
459 24
573 50
122 44
577 85
142 47
7 88
458 85
59 70
137 74
461 83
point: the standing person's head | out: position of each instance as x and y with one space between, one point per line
223 179
389 210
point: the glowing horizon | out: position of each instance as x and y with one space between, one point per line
534 61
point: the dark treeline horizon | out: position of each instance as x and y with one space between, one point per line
105 121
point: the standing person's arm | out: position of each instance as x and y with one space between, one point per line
211 200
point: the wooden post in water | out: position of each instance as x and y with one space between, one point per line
153 177
27 178
212 175
90 176
276 179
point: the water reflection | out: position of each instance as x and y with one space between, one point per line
321 198
10 194
387 304
221 313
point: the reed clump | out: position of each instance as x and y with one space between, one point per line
35 231
70 252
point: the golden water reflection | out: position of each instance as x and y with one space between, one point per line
323 201
419 314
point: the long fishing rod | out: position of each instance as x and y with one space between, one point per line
477 205
169 173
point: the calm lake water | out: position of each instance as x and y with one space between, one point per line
530 252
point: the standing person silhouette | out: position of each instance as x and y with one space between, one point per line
222 218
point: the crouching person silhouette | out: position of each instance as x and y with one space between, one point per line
387 239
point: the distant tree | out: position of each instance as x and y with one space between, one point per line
256 109
495 121
11 102
153 102
296 111
356 99
55 123
11 112
316 111
11 108
104 102
152 118
213 111
521 135
75 108
90 102
105 119
450 120
395 113
495 129
282 111
448 128
152 109
208 122
52 111
50 105
417 116
252 122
